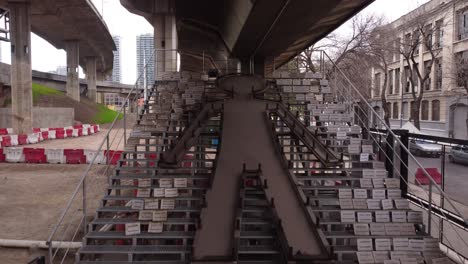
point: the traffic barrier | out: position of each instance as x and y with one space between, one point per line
422 179
113 156
52 134
55 156
77 126
84 131
14 154
187 164
23 139
100 159
60 133
45 135
6 141
75 133
33 138
3 131
74 156
14 140
36 130
2 156
44 129
10 131
69 132
152 156
34 155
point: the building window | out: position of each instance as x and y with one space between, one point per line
427 69
407 79
395 111
397 81
396 49
416 41
404 109
435 110
428 37
438 74
463 25
425 110
439 33
377 85
390 82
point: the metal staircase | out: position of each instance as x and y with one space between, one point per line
259 237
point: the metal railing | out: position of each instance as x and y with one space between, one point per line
392 145
72 223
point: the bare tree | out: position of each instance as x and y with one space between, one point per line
421 35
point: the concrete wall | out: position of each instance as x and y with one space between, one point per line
43 117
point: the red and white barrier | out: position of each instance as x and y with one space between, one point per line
57 156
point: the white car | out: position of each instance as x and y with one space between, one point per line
424 148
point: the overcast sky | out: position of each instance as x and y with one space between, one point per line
127 25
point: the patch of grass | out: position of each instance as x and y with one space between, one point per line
105 115
39 90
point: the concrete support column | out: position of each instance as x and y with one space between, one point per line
100 98
91 77
21 74
72 47
165 42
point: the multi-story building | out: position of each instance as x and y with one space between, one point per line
145 47
117 69
444 105
61 70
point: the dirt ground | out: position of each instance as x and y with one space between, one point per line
32 197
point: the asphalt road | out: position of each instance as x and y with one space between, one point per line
456 176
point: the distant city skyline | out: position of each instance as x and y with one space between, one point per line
144 51
117 68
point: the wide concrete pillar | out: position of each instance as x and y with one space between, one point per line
91 77
165 43
21 74
72 47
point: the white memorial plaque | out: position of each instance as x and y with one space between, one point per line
319 97
326 89
398 255
408 260
364 217
443 260
155 227
348 216
400 244
373 204
367 149
380 256
361 229
378 165
402 204
159 216
314 89
171 192
360 193
377 229
415 217
387 204
366 183
132 229
354 149
346 204
431 244
355 141
364 244
345 194
360 203
392 229
364 157
416 245
323 82
137 204
382 216
365 257
394 193
392 183
399 216
383 244
180 183
158 192
152 204
165 183
392 261
143 193
341 135
167 204
378 194
145 215
378 183
300 97
144 182
407 229
380 173
368 173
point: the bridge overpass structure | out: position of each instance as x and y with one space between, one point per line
74 26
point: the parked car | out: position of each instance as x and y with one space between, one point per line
424 148
459 154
